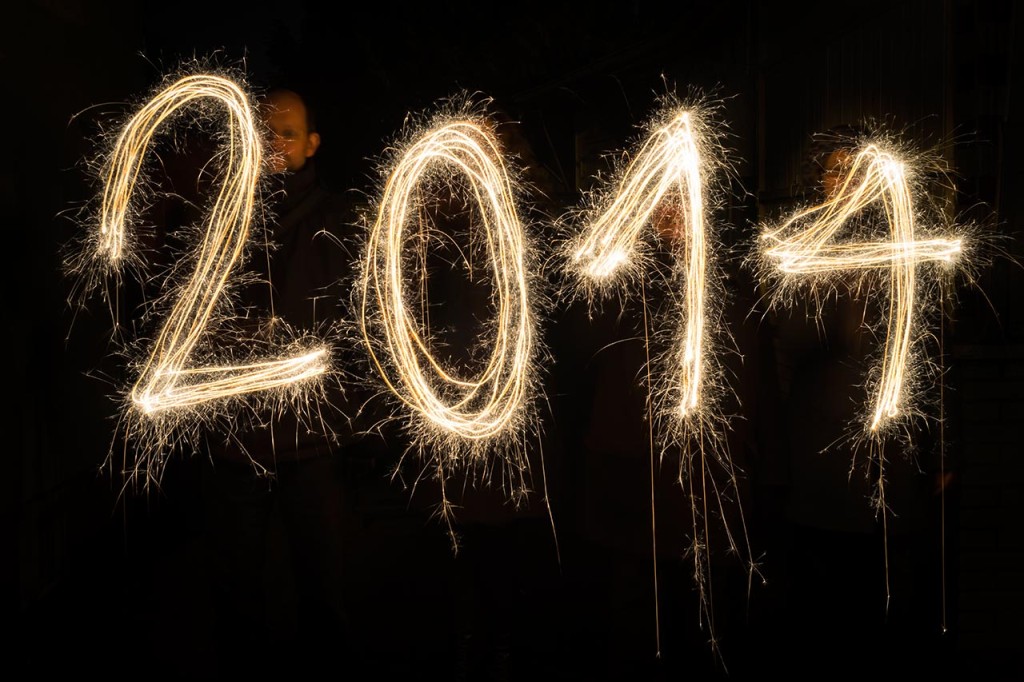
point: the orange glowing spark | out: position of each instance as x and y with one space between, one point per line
805 245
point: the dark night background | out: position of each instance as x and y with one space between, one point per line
94 584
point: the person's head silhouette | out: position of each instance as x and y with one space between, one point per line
295 139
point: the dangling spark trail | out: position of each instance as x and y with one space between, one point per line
666 184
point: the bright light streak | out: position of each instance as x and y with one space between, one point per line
805 245
258 377
667 168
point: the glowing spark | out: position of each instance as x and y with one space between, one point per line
489 405
167 380
667 168
804 245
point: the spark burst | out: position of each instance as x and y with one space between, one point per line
805 248
199 368
665 185
455 420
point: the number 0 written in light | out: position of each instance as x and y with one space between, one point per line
486 406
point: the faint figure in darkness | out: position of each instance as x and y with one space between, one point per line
274 493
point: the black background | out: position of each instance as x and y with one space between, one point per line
97 583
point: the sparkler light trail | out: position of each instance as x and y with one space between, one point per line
187 377
667 168
466 420
665 185
805 246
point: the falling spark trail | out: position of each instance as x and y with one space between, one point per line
665 186
653 463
